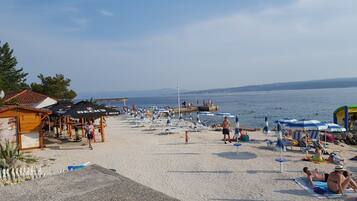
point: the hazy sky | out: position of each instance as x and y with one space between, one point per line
114 45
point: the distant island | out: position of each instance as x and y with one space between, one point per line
312 84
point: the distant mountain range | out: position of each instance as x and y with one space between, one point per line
129 94
312 84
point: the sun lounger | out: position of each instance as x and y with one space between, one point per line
296 138
322 187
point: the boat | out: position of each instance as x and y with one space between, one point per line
225 114
206 113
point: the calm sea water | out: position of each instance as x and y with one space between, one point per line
253 106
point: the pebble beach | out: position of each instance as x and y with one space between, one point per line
203 169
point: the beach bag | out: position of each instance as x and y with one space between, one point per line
319 190
245 138
330 138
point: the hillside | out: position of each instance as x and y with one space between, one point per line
313 84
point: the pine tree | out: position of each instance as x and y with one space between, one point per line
11 78
56 87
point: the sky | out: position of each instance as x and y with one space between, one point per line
117 45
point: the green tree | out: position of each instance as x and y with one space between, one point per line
11 78
56 86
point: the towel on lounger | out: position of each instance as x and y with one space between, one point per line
321 190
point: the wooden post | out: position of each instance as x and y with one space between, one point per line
82 121
102 127
60 126
49 125
186 137
69 128
41 139
19 139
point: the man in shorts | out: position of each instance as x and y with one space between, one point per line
226 126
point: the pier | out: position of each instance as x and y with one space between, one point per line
190 109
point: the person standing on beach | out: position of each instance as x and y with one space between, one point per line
90 133
226 126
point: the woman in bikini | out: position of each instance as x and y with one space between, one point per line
338 182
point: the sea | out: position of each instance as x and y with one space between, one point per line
252 107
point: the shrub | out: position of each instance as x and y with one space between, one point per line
9 154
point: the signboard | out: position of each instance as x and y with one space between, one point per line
30 140
8 129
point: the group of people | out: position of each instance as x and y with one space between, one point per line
226 126
337 181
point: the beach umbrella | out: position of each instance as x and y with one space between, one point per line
60 107
285 121
280 146
168 122
180 117
331 127
307 125
198 119
279 133
237 133
237 129
86 109
111 111
190 117
266 127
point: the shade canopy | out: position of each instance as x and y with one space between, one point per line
307 125
86 109
285 121
60 108
331 127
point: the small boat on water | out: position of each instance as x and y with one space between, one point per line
225 114
206 113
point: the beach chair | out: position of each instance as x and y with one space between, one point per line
312 141
295 140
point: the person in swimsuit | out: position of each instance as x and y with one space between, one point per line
90 133
226 126
315 175
339 180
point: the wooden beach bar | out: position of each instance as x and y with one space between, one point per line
68 116
23 125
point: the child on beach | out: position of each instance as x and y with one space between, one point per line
226 126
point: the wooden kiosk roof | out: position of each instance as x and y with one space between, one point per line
5 108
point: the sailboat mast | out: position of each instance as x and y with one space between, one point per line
178 101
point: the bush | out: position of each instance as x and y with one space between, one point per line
9 155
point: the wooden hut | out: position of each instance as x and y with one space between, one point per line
23 125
